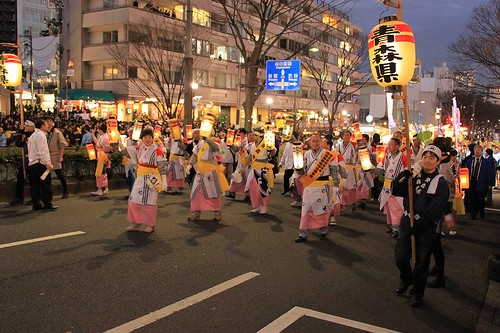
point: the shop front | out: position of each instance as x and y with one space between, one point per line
97 103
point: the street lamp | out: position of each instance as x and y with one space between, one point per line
269 102
194 85
344 112
325 112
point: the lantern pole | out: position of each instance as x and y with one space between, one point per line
404 97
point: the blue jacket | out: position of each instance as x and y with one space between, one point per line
486 175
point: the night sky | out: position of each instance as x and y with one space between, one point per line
435 24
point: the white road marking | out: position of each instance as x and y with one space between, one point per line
182 304
297 312
41 239
496 210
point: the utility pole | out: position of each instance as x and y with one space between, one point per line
188 69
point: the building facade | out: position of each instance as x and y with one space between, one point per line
93 28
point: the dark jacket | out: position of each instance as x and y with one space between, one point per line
486 175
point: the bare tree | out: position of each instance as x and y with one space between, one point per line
478 47
335 82
152 62
259 26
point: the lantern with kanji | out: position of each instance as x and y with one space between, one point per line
230 137
91 151
136 134
113 134
189 131
11 70
380 153
364 157
464 178
206 125
237 140
357 132
391 49
157 131
287 132
269 141
298 156
175 130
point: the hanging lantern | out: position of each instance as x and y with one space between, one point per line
464 178
175 130
287 132
157 131
11 70
391 49
91 151
298 156
230 137
269 141
189 131
136 134
237 140
380 153
206 125
357 132
364 157
113 134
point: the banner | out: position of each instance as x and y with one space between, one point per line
390 109
456 120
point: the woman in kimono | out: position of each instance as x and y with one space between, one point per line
347 149
175 170
260 179
103 149
151 165
321 174
209 184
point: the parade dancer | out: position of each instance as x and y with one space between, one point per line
392 164
103 163
243 153
347 149
365 182
209 184
175 170
151 170
287 162
337 197
260 179
317 200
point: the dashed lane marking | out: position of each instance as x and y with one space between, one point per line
170 309
41 239
296 313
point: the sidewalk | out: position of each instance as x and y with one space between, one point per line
489 319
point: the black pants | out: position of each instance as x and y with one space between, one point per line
20 182
424 243
438 253
477 202
60 175
40 189
286 180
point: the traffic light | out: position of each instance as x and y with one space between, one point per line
8 21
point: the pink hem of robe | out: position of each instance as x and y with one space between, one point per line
362 193
311 221
171 182
393 210
141 214
349 197
200 203
238 187
299 186
336 210
102 180
255 196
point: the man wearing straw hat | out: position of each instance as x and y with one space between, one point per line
430 197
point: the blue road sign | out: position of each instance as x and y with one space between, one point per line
283 75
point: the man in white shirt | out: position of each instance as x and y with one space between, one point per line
39 163
287 162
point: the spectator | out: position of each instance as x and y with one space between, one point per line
3 138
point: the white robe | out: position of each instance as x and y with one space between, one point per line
350 158
207 182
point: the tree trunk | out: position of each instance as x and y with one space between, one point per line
250 95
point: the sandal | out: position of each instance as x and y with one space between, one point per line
193 218
217 217
149 229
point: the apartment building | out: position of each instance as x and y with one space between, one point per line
91 27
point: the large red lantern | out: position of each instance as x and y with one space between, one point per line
11 70
391 49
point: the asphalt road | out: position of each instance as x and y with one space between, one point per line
238 275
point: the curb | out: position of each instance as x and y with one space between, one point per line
489 318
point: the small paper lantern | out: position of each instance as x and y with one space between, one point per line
91 151
189 131
391 49
113 133
364 157
298 156
287 132
206 125
357 132
380 153
269 140
136 134
464 178
175 130
11 70
237 140
230 137
157 131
